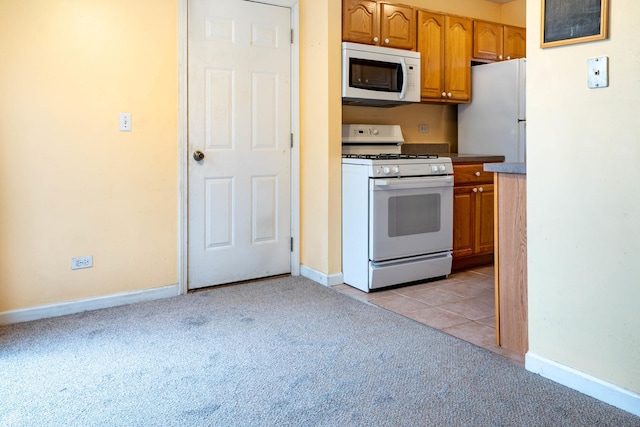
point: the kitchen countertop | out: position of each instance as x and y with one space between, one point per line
475 158
520 168
442 150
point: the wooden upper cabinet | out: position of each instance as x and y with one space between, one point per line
497 42
459 41
515 42
397 26
379 23
430 44
360 21
488 40
444 43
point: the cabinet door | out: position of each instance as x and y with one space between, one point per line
397 26
458 42
464 200
484 219
515 42
360 21
487 41
430 44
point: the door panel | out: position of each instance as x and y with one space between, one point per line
239 117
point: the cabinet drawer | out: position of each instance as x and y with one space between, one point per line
471 173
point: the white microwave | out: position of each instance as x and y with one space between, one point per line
379 76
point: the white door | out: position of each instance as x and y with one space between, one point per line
239 121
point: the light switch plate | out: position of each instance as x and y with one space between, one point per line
598 72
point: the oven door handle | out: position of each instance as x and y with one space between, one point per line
402 183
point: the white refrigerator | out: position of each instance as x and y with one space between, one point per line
495 120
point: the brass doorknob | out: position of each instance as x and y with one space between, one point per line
198 155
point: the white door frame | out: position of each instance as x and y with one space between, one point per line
183 181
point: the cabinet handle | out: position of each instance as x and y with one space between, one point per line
386 41
444 94
375 39
481 189
508 57
449 94
477 173
475 190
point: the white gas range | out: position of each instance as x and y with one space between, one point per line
397 210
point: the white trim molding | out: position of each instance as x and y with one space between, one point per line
183 128
584 383
322 278
72 307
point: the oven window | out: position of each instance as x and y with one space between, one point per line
414 214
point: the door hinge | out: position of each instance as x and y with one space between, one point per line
291 140
292 244
292 36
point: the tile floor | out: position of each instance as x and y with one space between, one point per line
461 305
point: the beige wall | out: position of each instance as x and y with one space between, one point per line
441 119
583 152
515 13
320 150
70 183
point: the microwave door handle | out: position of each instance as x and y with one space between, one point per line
404 78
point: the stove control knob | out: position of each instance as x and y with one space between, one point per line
442 168
434 168
385 171
396 170
374 131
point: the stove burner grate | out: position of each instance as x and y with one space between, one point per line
390 156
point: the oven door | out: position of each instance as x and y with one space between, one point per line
410 216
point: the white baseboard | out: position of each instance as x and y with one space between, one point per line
61 309
322 278
584 383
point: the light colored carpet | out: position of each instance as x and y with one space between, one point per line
285 352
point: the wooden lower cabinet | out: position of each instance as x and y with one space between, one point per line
473 205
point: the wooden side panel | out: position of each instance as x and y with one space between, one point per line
512 266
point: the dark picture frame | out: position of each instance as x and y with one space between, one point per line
573 21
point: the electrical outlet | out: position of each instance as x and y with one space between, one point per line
423 128
82 262
125 122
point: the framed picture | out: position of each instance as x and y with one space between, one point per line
573 21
